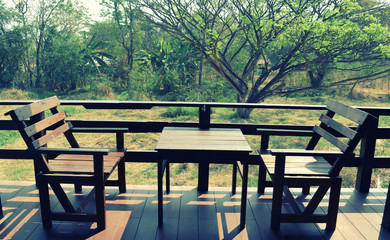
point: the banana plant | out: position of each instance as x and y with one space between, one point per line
94 54
171 55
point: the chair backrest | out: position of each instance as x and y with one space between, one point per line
33 122
35 119
330 129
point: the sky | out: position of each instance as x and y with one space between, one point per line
93 7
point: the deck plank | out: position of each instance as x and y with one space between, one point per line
251 230
19 207
360 223
260 205
334 235
208 215
306 230
172 202
188 221
187 215
148 225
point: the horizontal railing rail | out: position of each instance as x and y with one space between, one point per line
366 162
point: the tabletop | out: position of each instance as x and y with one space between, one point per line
212 139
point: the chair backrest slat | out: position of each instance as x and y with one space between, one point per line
45 123
340 128
332 139
49 136
348 112
35 108
329 126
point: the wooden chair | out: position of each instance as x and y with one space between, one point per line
306 168
76 165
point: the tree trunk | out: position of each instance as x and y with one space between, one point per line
244 113
317 75
200 70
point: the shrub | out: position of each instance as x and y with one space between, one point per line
175 112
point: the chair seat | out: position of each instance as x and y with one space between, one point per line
75 163
302 166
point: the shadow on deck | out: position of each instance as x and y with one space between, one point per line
187 215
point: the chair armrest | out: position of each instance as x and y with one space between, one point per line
101 130
83 151
300 152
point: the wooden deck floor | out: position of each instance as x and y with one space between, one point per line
188 215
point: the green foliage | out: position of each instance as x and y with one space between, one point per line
94 53
35 93
62 62
177 112
12 48
173 60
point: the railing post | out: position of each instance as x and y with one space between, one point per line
367 153
204 116
203 169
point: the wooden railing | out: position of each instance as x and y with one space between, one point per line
365 162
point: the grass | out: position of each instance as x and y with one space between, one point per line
186 174
7 137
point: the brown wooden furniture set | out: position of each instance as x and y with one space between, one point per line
93 166
76 165
305 168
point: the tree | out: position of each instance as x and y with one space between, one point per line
288 36
62 62
125 14
46 13
11 47
35 18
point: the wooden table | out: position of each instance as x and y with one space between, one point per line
202 146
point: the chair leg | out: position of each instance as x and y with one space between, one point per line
160 191
44 200
100 206
234 178
122 176
100 195
334 199
78 188
261 179
276 212
306 190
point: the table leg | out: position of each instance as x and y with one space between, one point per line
244 193
167 178
234 180
160 192
203 176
